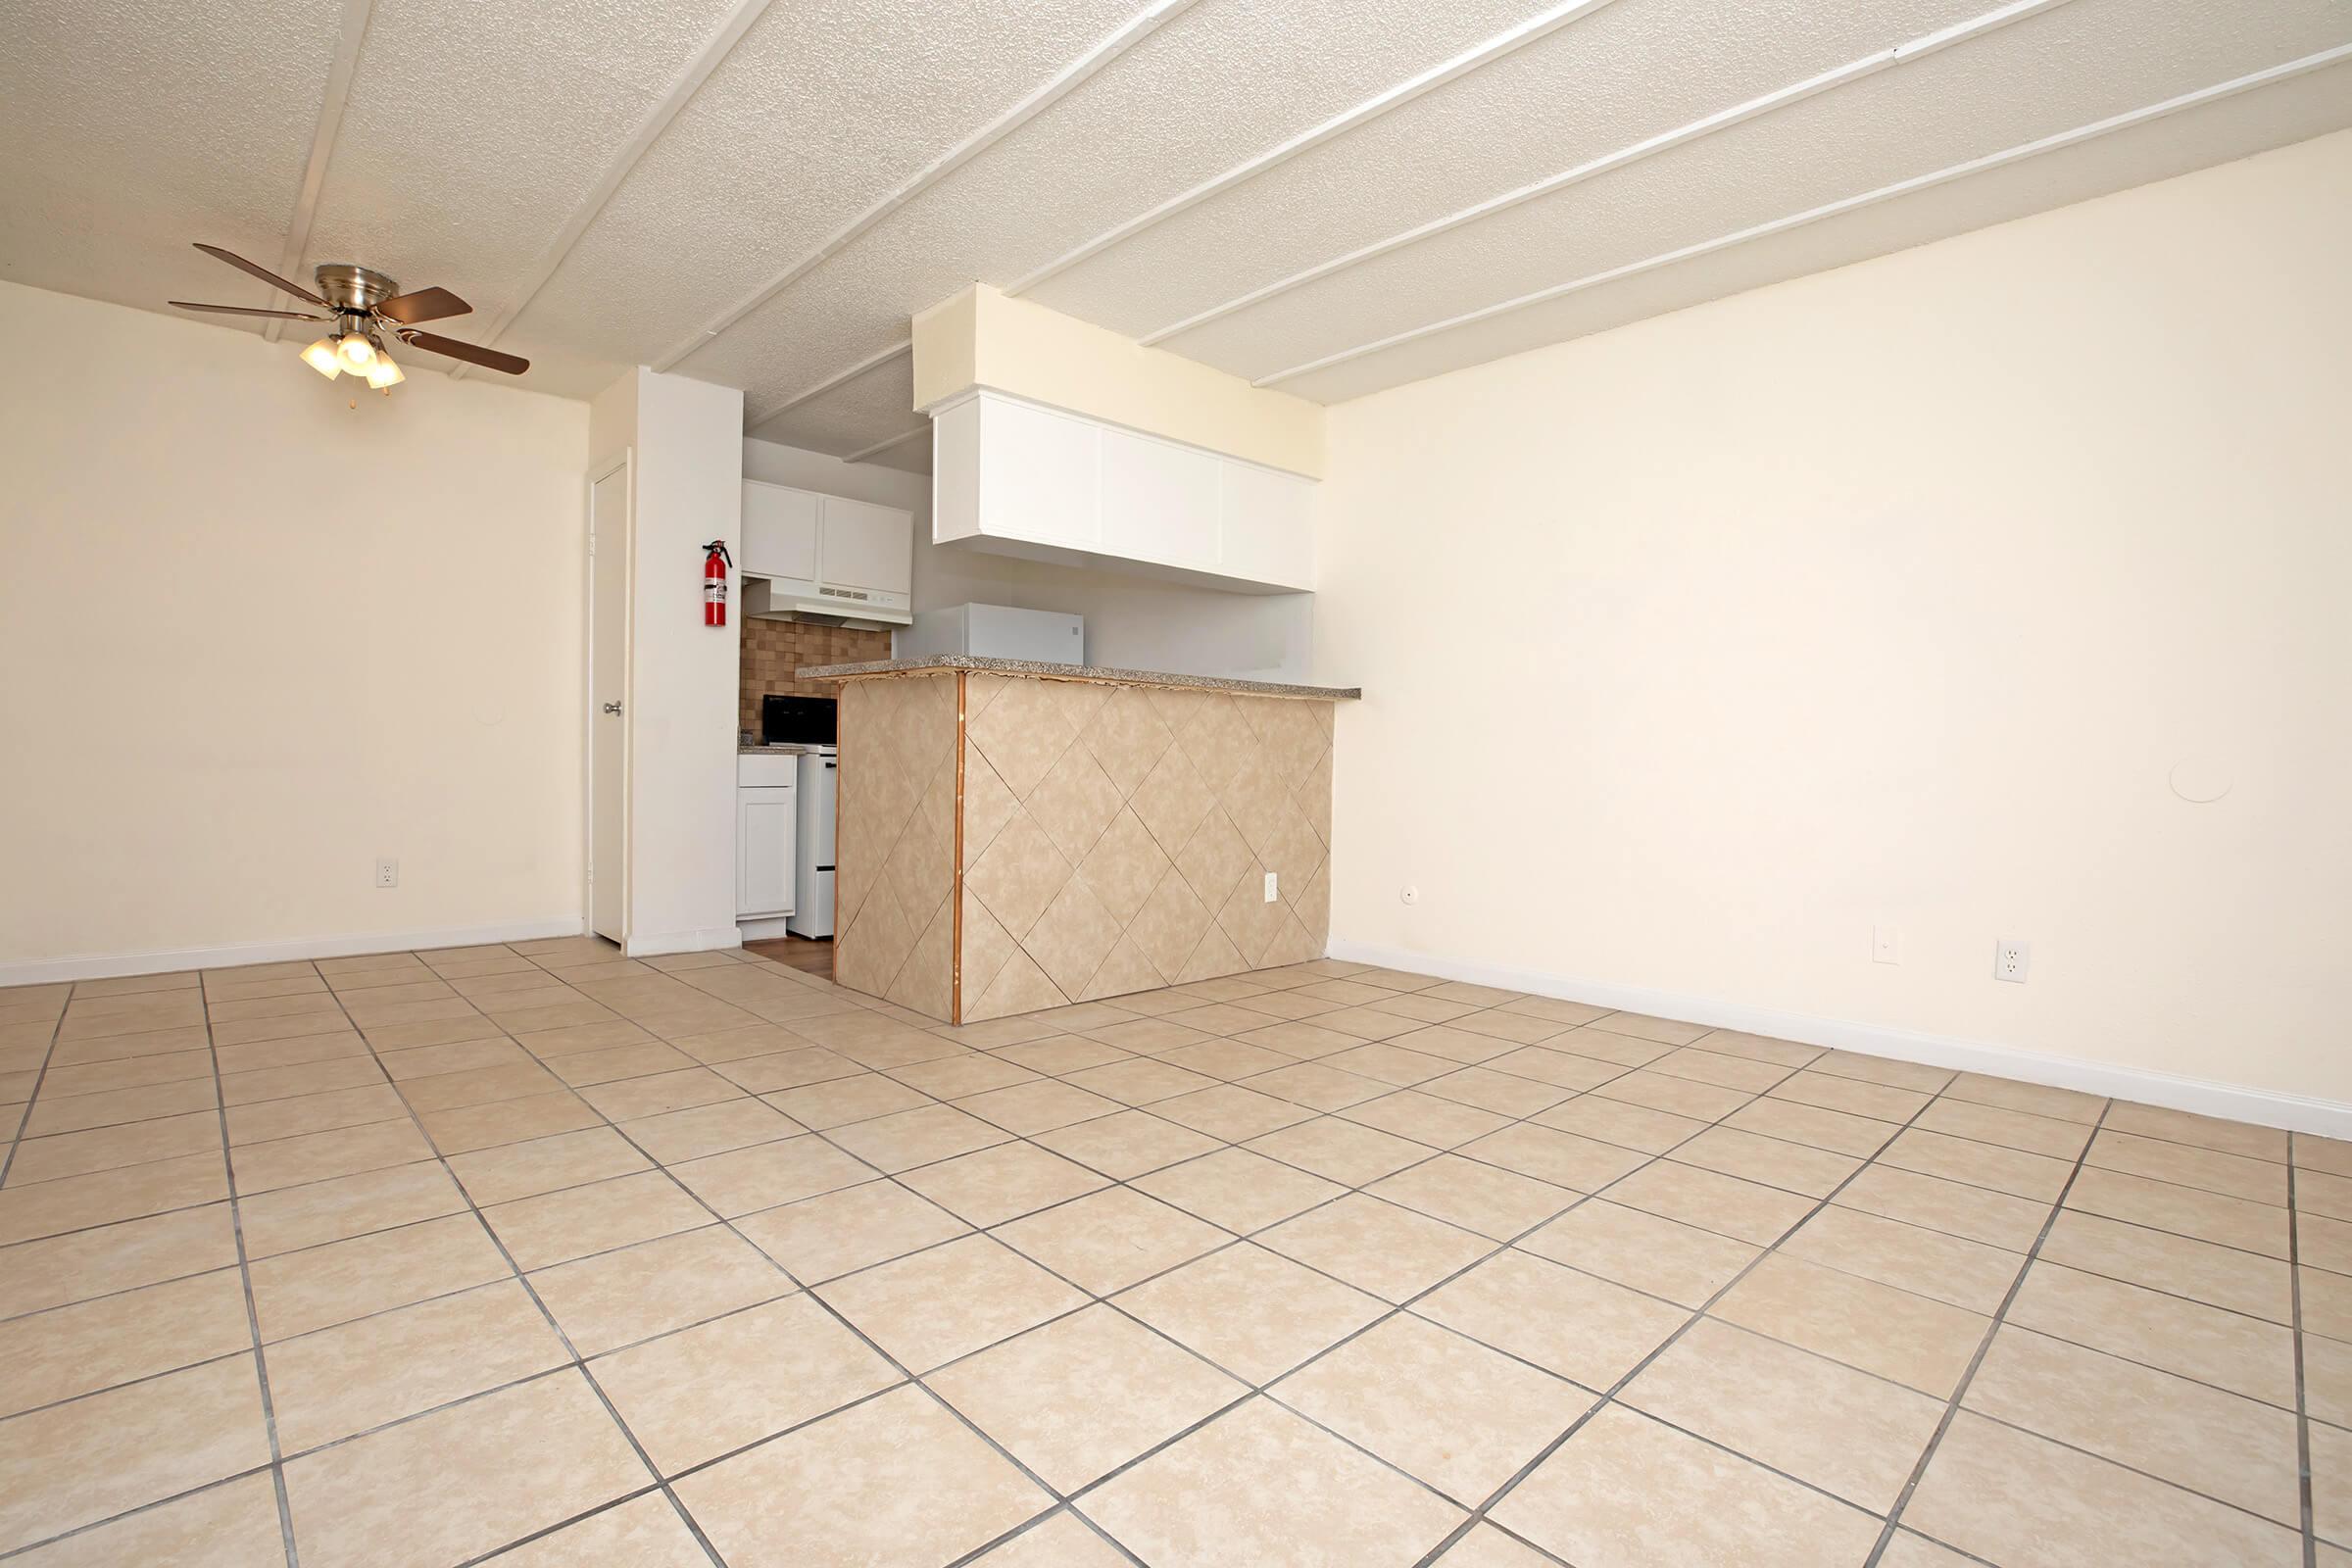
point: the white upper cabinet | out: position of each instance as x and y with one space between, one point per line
1059 459
865 546
1160 501
1266 524
1023 480
779 532
809 553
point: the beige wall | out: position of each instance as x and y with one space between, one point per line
1889 597
255 637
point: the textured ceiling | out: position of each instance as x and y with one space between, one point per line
1329 196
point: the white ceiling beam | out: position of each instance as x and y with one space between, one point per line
679 94
1049 93
1814 215
1648 147
898 440
1496 48
755 418
340 68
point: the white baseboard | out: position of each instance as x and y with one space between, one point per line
2265 1108
761 930
655 945
106 966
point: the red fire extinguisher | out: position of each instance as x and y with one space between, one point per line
716 562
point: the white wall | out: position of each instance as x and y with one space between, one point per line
683 676
1894 595
1131 622
255 637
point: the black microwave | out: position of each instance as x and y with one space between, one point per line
797 720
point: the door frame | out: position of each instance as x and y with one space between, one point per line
624 462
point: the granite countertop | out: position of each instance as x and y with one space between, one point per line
1091 672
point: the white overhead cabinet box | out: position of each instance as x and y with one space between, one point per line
812 557
1023 480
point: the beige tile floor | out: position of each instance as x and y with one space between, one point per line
536 1255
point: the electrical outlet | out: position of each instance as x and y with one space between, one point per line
1886 945
1269 887
2010 958
387 873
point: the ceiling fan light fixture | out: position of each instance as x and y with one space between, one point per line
355 353
320 356
383 374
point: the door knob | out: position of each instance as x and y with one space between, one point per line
612 708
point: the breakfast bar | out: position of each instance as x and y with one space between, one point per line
1013 835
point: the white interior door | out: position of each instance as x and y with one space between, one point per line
608 695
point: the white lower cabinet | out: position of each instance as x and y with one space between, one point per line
765 824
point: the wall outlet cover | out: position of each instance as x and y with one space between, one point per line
1270 894
387 873
2011 958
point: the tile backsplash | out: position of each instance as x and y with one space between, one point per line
774 648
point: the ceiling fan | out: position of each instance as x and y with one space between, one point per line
365 307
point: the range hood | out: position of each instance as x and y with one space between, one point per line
824 603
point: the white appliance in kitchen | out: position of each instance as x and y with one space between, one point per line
994 631
812 879
784 803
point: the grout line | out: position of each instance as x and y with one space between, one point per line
1951 1408
2294 1281
253 1320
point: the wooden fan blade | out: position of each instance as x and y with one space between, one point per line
421 305
471 354
261 272
243 310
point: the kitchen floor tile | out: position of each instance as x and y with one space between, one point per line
1259 1484
72 1464
994 1185
694 1395
1241 1190
496 1468
1250 1311
1580 1327
1487 1200
894 1480
656 1287
1110 1240
823 1238
363 1374
1391 1251
1907 1339
1854 1436
1448 1409
1085 1394
934 1307
2009 1497
1662 1258
1595 1503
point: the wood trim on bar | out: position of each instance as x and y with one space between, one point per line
956 881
